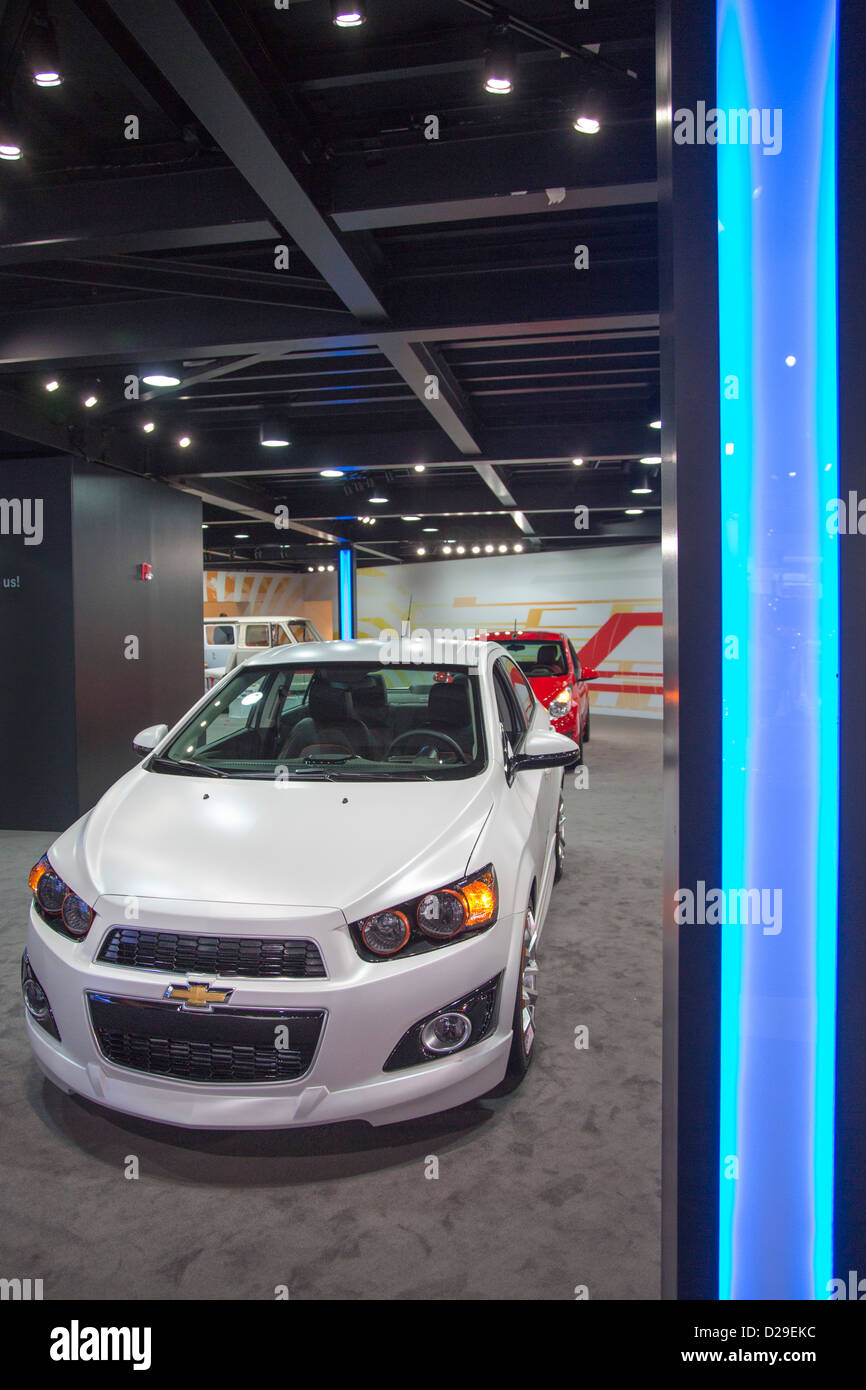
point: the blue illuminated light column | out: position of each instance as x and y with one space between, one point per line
780 623
348 593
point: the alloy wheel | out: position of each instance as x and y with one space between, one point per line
528 982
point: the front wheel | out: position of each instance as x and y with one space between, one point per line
523 1022
559 852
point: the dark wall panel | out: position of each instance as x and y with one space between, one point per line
120 523
37 710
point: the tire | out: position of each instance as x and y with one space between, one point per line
585 738
561 845
523 1018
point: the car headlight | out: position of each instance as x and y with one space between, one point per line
561 705
56 903
460 909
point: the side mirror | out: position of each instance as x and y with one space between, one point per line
147 740
543 749
589 673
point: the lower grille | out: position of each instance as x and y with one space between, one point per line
227 1045
251 958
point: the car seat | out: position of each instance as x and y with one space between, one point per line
331 725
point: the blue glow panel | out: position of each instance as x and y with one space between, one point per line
780 702
347 594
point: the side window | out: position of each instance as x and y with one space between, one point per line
279 636
257 635
220 635
300 632
510 712
521 689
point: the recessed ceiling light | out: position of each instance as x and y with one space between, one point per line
587 125
348 14
274 433
634 511
311 569
331 473
655 424
184 441
161 379
379 501
411 518
420 467
652 458
461 550
330 569
148 427
578 463
641 489
446 550
518 548
321 569
790 361
476 550
420 550
488 549
242 535
431 528
91 401
52 385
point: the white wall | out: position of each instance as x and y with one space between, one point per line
607 599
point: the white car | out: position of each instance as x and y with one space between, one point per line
229 641
345 928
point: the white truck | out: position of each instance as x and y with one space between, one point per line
229 641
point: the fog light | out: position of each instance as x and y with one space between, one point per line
36 1000
446 1033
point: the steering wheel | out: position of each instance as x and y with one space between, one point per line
435 734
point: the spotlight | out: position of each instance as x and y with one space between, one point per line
311 569
157 377
476 550
488 549
379 501
634 511
348 14
637 490
461 550
330 569
10 140
651 458
518 548
503 549
52 386
420 550
41 53
446 550
588 113
420 467
500 61
148 427
331 473
578 463
273 433
184 441
655 424
91 401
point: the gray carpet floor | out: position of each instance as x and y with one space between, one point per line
554 1187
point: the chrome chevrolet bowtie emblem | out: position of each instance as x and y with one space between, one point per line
197 996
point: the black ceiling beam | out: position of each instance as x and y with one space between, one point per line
172 43
592 61
133 213
505 205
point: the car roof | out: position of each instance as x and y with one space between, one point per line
532 634
447 652
256 618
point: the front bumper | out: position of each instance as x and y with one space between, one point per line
368 1007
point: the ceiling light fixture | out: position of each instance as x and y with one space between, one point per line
641 489
148 427
488 549
411 518
578 463
242 535
503 549
379 501
348 14
52 385
655 424
154 377
652 458
184 441
420 550
500 61
41 53
518 548
446 550
420 467
331 473
10 140
274 433
91 401
588 112
634 511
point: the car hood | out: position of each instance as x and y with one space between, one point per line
350 845
546 688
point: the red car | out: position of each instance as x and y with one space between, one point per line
551 665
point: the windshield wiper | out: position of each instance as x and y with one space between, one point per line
345 774
187 767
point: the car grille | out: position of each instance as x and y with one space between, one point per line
226 1045
252 958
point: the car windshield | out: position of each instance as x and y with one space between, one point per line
537 656
326 721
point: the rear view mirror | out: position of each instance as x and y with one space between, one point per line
147 740
545 748
589 673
